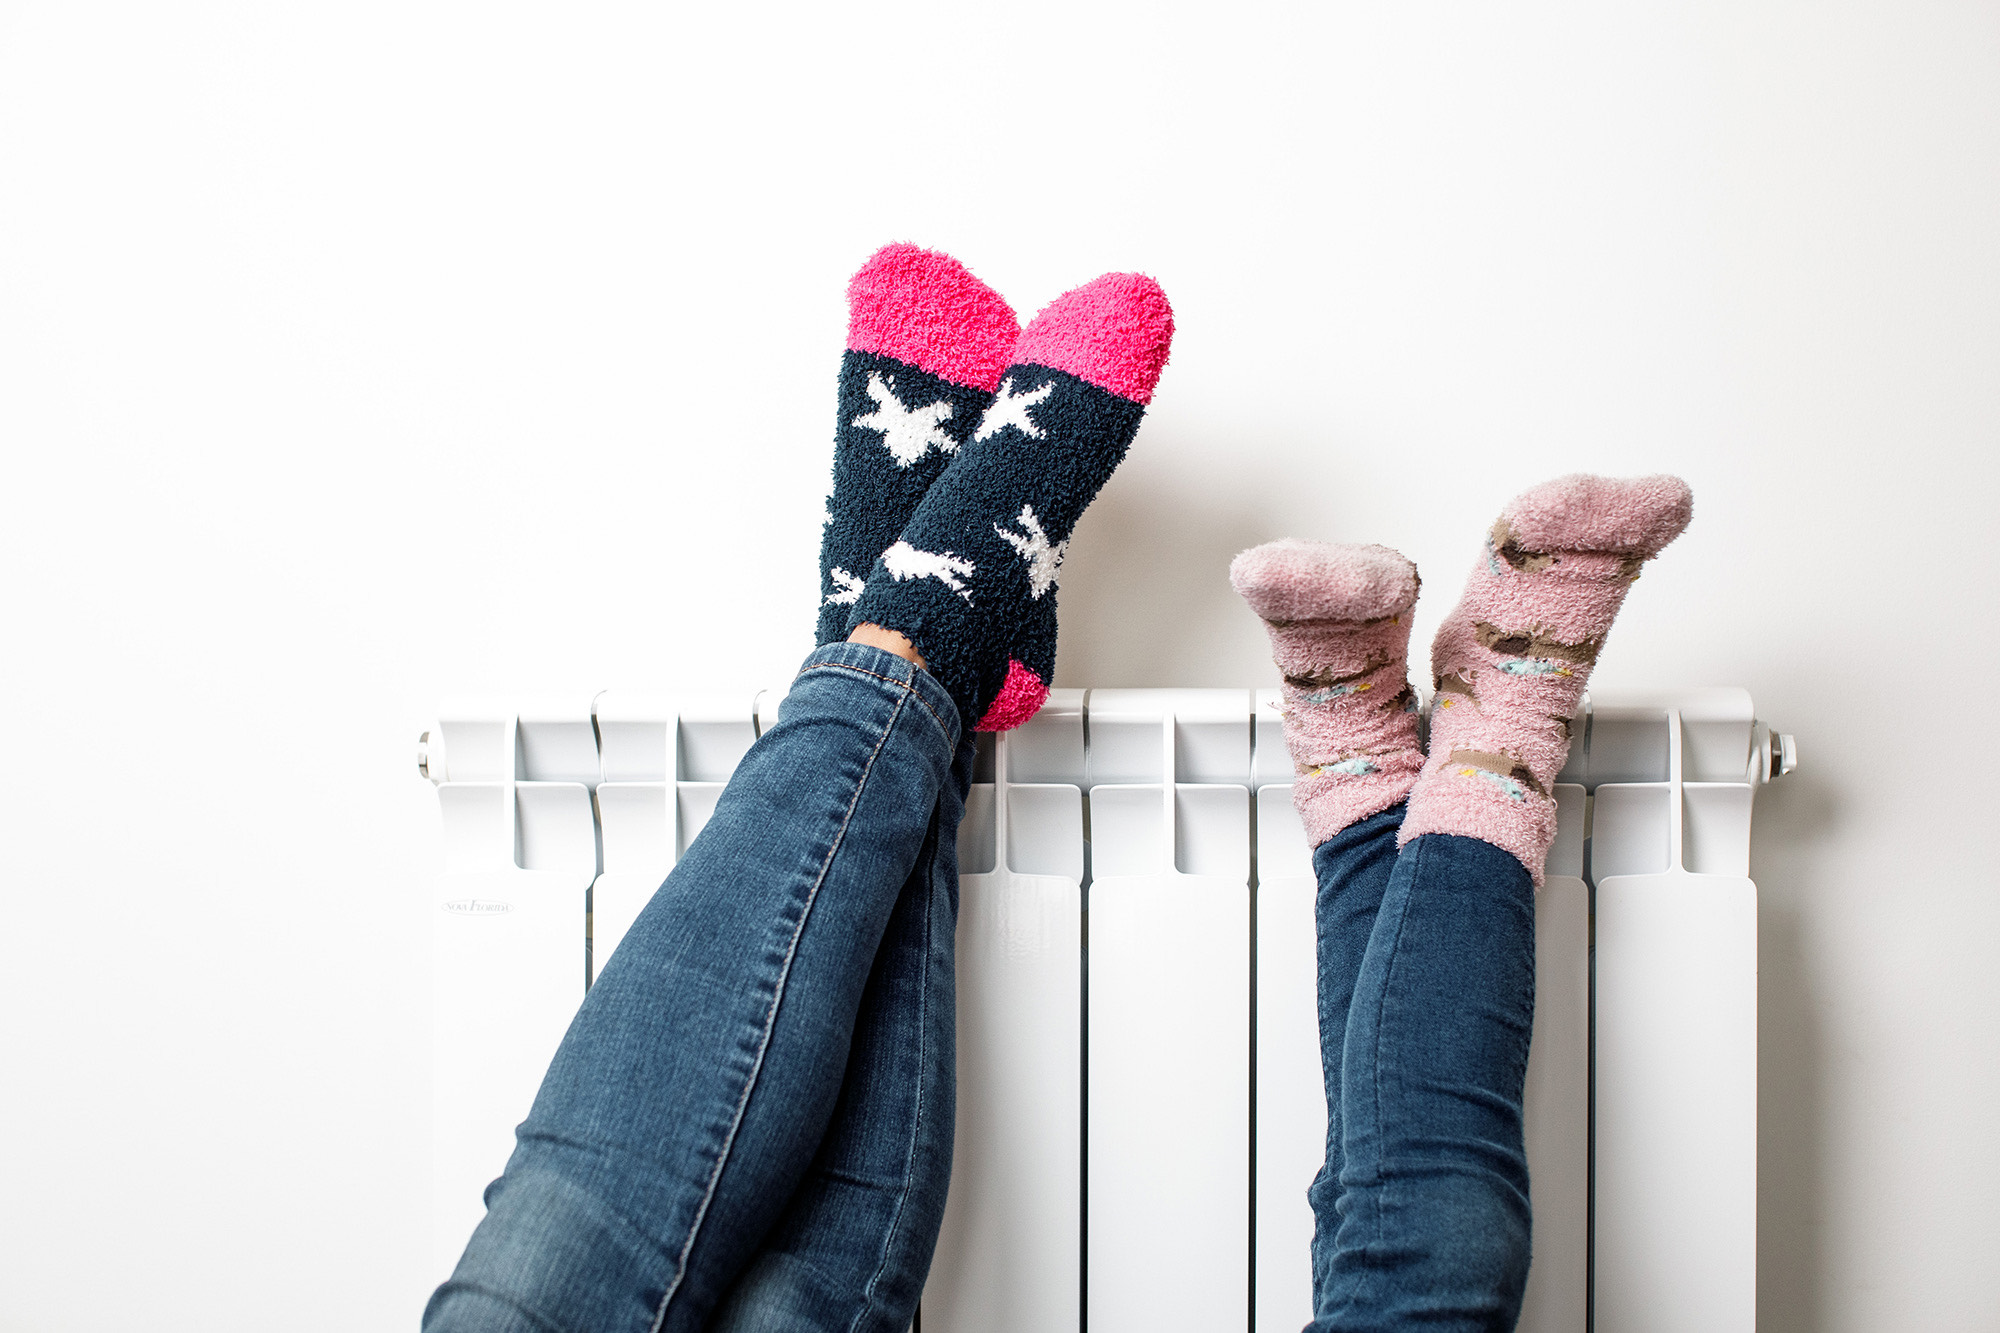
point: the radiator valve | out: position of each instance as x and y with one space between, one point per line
1777 754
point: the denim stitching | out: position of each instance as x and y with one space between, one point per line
917 1133
1379 1196
771 1020
906 686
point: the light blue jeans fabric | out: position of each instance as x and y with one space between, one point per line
748 1126
1427 1001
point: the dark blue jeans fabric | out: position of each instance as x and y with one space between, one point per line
748 1125
1427 1001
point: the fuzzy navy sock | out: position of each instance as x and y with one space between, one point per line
926 345
971 581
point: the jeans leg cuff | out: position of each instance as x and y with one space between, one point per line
896 672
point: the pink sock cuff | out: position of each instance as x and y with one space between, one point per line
1635 516
1020 698
1114 331
1473 803
1328 804
1292 580
925 308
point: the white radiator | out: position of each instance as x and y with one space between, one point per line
1139 1107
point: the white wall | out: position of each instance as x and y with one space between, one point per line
355 353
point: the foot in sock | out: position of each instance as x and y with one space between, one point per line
1513 658
926 345
1339 620
972 579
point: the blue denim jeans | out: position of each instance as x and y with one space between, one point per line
1427 1000
748 1125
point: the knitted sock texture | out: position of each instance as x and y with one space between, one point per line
1512 660
926 345
972 578
1339 621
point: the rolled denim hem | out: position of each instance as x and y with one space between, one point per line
867 660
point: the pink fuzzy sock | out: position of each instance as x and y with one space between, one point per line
1339 619
1513 658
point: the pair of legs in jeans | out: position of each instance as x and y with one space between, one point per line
748 1125
1426 1003
1428 857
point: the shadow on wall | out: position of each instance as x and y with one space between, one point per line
1794 817
1146 597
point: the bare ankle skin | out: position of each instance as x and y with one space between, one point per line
888 640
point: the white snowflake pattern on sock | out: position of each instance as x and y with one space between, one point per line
904 561
1011 409
847 588
908 433
1044 558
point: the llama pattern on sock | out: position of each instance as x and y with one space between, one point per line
847 588
1044 558
1061 419
1011 409
1006 524
904 561
927 344
908 433
899 428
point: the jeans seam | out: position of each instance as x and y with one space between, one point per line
1367 1270
907 687
916 1129
771 1015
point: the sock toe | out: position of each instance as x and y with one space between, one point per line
1114 332
1020 698
1292 580
925 308
1629 516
